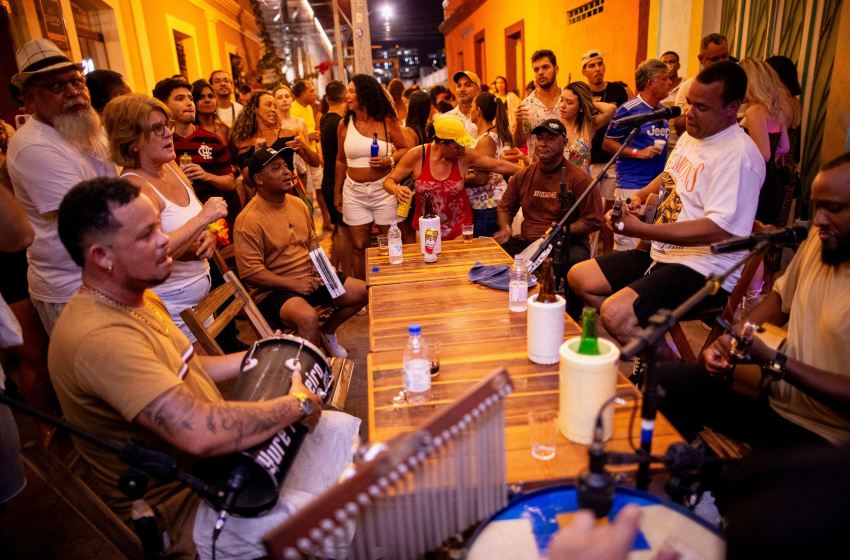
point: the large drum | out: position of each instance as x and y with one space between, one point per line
522 530
266 373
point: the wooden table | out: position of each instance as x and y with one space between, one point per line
451 311
454 261
535 388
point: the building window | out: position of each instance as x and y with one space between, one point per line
181 53
89 32
585 11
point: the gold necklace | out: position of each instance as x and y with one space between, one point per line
134 313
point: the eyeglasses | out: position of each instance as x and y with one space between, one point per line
59 86
162 129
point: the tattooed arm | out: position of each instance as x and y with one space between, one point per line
207 429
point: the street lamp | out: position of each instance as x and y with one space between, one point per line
387 11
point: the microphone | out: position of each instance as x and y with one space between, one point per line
640 120
781 237
238 477
596 486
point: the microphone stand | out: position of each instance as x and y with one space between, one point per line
556 229
561 246
646 343
143 464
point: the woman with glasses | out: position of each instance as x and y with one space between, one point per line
140 140
438 168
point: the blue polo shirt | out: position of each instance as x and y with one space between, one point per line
637 173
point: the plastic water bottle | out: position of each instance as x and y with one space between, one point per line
394 242
417 368
518 288
375 147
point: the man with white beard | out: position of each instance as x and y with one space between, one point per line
60 146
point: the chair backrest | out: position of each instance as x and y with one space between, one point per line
734 300
225 259
216 303
68 486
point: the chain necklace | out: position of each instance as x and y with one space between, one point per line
134 313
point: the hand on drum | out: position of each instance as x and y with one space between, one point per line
584 540
299 387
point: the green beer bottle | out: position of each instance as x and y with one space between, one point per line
588 345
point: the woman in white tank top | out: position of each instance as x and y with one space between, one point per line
485 189
359 192
161 180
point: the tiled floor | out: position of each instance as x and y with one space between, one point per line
39 525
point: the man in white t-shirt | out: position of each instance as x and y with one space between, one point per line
227 109
468 87
709 193
60 146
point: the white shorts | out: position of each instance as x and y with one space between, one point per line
364 203
608 183
48 312
314 179
187 296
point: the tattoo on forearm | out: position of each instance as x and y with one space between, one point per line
179 413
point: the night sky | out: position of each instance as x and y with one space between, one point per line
413 24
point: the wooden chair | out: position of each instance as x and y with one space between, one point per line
241 302
225 259
57 473
708 315
212 302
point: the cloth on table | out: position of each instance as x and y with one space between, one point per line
497 277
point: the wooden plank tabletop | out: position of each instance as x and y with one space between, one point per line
453 310
454 261
535 388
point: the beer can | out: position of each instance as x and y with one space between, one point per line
431 235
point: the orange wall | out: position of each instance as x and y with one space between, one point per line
614 32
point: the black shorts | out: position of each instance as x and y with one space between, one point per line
270 305
663 286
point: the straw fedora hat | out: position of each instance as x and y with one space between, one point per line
38 57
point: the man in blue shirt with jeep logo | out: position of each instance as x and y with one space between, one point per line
643 160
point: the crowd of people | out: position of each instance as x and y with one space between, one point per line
118 197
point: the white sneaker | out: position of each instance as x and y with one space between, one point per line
337 349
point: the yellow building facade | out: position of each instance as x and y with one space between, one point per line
144 40
497 38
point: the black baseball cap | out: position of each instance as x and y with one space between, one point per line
552 126
264 156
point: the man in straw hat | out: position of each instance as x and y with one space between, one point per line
60 146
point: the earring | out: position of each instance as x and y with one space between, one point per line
110 269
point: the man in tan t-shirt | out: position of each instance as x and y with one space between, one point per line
122 369
809 396
273 236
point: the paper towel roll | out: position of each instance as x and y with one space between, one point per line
424 224
586 383
545 329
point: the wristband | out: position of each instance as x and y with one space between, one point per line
775 369
634 152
